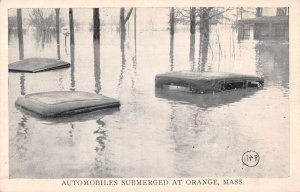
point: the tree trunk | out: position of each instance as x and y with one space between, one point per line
192 51
242 10
73 84
204 40
172 21
171 54
122 44
123 58
72 49
172 31
192 36
96 19
20 34
43 39
71 27
122 23
96 39
193 20
204 24
57 32
128 28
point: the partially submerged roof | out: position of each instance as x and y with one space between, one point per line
64 103
192 75
266 19
33 65
201 82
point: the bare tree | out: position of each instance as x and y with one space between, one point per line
42 18
123 21
206 16
192 20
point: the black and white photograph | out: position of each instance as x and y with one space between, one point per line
149 92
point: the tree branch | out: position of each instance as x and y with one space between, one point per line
185 15
128 15
219 13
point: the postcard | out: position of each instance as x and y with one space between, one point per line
150 96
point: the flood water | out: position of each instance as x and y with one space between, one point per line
154 133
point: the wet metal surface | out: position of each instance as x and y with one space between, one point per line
65 103
34 65
205 82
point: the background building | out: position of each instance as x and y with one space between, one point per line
270 23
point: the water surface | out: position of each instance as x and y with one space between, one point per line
155 133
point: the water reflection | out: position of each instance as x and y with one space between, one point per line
21 141
171 54
123 58
13 34
72 127
203 51
42 37
101 135
219 49
22 84
135 31
81 117
134 57
101 167
185 131
97 70
134 64
135 40
192 52
72 86
205 100
66 34
188 127
272 58
60 80
22 133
